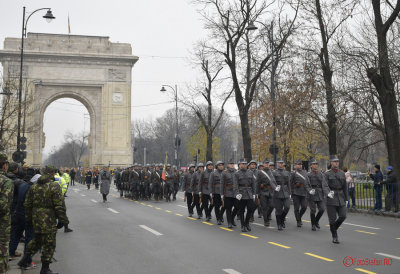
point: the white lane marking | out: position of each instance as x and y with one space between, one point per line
258 224
231 271
388 255
112 210
151 230
83 195
370 227
272 227
182 206
94 201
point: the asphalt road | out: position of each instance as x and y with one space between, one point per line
123 236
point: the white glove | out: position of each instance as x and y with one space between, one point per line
199 193
312 191
331 194
254 197
278 187
239 197
290 196
347 203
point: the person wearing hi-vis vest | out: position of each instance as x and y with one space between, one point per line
64 186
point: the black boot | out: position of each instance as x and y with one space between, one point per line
335 239
66 229
229 225
219 222
313 228
244 228
24 261
319 215
248 227
266 222
283 220
278 222
46 269
233 222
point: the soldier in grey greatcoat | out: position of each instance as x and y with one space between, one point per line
265 188
317 195
252 166
300 187
336 203
134 181
229 200
169 182
187 178
214 185
244 188
204 191
282 194
105 182
194 188
156 183
146 179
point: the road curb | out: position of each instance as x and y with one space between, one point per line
371 212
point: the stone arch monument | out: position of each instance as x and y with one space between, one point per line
90 69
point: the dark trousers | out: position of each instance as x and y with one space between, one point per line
88 186
250 206
313 209
378 197
205 205
266 206
189 202
168 190
18 227
230 203
176 189
300 206
352 196
217 202
392 197
336 215
104 197
72 181
281 205
157 191
196 203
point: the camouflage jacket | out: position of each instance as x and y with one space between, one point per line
6 197
44 205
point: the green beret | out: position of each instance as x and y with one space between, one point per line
49 169
3 158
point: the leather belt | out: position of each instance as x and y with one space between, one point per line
217 184
299 185
245 185
336 188
262 186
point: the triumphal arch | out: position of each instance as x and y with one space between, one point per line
90 69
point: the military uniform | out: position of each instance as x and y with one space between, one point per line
337 198
117 180
125 183
146 182
244 184
187 178
320 186
134 182
204 191
156 182
281 198
194 188
214 185
265 188
300 187
6 198
44 205
170 177
228 196
175 187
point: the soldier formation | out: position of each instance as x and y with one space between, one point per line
260 186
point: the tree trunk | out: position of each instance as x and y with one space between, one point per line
209 154
244 122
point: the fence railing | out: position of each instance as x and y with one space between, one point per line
383 197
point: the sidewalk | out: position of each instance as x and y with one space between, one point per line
15 269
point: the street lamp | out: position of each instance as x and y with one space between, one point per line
273 148
49 17
177 140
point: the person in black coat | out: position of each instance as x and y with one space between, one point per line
392 188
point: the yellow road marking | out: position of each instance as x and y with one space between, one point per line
207 223
149 205
168 211
307 221
227 229
250 236
135 201
397 238
319 257
366 232
284 246
158 208
177 214
191 218
142 203
365 271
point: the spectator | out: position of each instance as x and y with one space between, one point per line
378 179
72 175
351 187
391 187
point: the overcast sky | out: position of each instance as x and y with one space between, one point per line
161 32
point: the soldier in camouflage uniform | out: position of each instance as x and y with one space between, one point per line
44 205
6 196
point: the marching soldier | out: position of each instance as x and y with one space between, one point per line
156 182
117 180
187 178
317 194
336 203
214 185
169 184
282 194
146 181
228 197
134 182
244 187
266 185
204 191
252 165
194 188
125 182
300 188
175 188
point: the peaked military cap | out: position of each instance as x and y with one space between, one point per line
298 162
313 161
200 165
333 158
209 163
219 163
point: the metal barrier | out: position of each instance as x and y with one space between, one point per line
383 197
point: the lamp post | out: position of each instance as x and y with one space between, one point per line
48 16
177 140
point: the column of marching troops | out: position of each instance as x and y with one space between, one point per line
254 186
